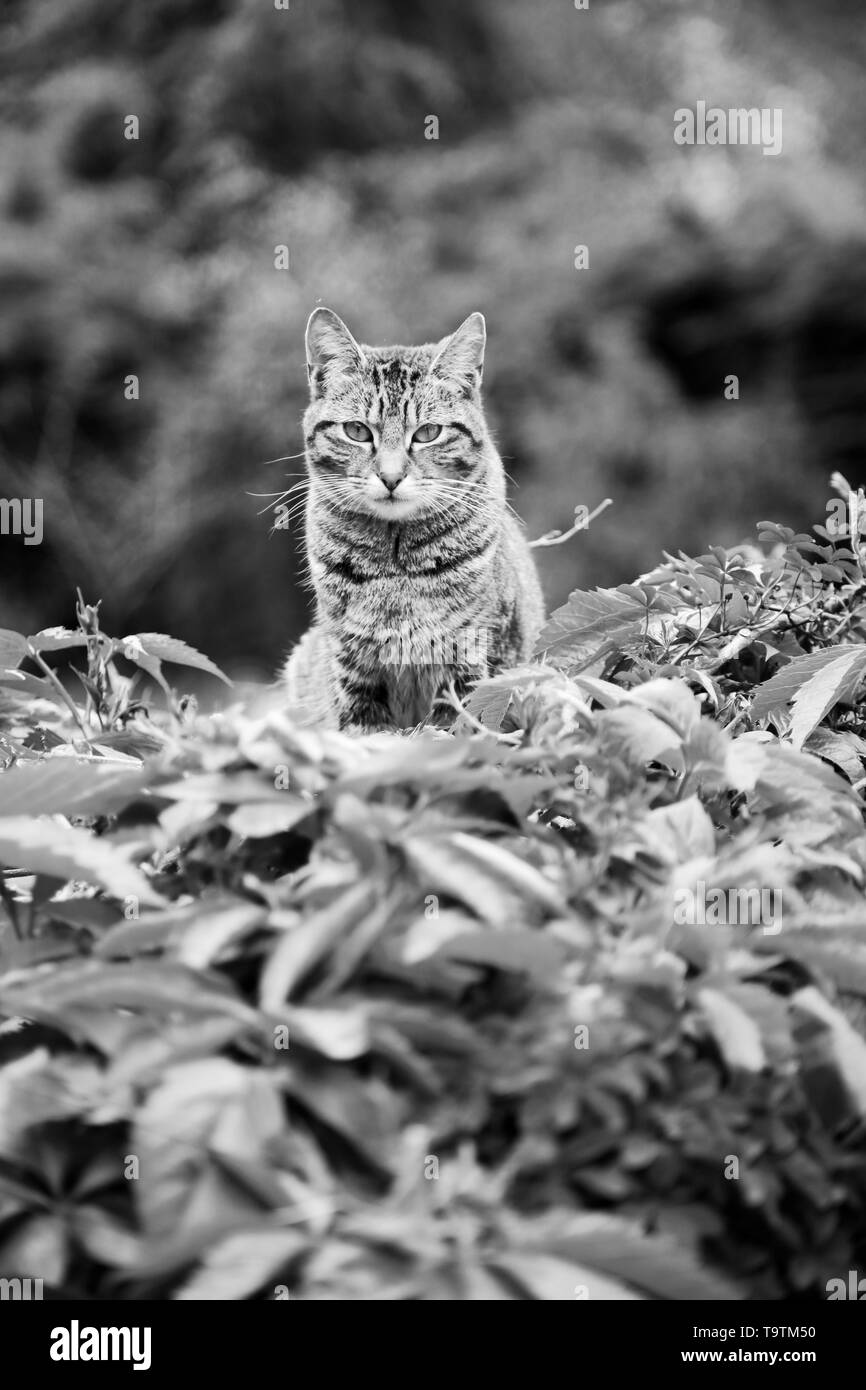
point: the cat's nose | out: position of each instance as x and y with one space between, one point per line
391 470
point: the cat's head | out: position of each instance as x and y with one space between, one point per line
396 432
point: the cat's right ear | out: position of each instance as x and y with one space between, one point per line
331 350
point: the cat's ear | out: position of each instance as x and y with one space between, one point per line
460 358
331 349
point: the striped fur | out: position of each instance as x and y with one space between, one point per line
421 573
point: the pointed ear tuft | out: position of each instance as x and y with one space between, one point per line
461 357
331 349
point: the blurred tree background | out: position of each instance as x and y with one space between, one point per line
305 127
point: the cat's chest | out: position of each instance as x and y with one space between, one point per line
354 585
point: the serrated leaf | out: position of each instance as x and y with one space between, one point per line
133 650
162 648
777 693
228 788
303 945
162 988
483 875
824 690
589 616
58 850
492 696
63 785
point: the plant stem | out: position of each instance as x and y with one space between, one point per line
61 690
10 905
559 537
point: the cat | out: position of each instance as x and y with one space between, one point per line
422 575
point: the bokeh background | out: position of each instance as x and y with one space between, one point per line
305 127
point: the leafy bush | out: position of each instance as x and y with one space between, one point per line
289 1013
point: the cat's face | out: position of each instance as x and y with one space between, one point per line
395 433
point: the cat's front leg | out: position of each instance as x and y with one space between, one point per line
362 701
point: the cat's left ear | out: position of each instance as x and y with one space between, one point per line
461 357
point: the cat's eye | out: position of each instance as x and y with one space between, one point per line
425 434
358 432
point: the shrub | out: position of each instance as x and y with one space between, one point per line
565 999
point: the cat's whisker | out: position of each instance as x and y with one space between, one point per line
284 458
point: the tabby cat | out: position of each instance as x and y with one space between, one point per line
423 578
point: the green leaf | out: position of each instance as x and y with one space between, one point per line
620 1249
53 639
212 930
549 1277
491 697
161 988
678 832
485 876
340 1034
513 949
305 944
588 617
737 1035
162 648
38 1243
260 820
822 691
844 750
776 694
62 784
48 848
640 737
210 1106
229 788
239 1264
146 1055
13 649
843 1043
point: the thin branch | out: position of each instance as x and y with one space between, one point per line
560 537
450 697
61 690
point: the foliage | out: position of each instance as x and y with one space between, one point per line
289 1013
